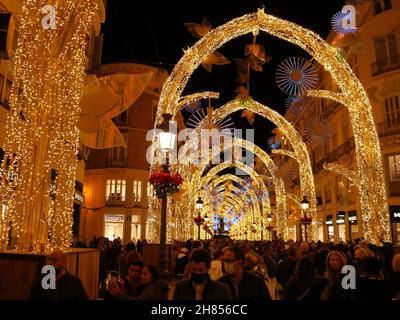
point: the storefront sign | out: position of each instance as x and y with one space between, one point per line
114 218
341 215
329 220
352 217
394 213
78 197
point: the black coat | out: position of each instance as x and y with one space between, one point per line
213 290
285 270
251 287
69 287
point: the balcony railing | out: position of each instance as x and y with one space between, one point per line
343 149
385 65
117 163
389 128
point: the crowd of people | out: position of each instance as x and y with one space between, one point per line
226 269
221 269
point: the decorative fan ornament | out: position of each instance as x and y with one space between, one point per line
296 105
198 30
224 126
192 106
337 20
282 172
215 58
295 76
317 130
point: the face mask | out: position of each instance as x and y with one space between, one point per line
198 278
229 268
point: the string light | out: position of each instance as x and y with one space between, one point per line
372 189
48 73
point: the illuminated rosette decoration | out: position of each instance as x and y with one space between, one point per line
224 126
296 105
192 106
295 76
337 20
165 183
317 130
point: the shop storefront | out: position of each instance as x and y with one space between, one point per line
353 224
341 225
114 226
395 224
330 228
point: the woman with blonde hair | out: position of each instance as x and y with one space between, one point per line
335 261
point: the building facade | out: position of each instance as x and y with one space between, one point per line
116 185
373 52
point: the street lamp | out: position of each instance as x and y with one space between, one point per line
199 220
305 220
166 142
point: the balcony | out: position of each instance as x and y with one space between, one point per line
389 128
117 163
343 149
385 65
115 201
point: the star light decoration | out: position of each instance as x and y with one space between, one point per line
372 190
295 76
317 130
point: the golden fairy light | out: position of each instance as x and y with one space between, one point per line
371 186
43 140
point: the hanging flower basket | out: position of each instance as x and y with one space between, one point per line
306 220
165 183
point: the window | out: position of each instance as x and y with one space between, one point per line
116 190
328 194
319 198
382 5
137 191
394 168
387 53
8 93
117 157
392 111
354 65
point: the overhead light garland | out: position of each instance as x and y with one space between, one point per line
372 189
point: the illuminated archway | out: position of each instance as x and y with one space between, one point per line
372 190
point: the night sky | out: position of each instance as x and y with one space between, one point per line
154 33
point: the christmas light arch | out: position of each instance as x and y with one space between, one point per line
372 190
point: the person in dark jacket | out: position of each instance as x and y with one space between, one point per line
68 286
243 285
304 285
200 286
286 267
372 286
151 287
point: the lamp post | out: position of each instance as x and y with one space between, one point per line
206 220
304 206
166 142
199 219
